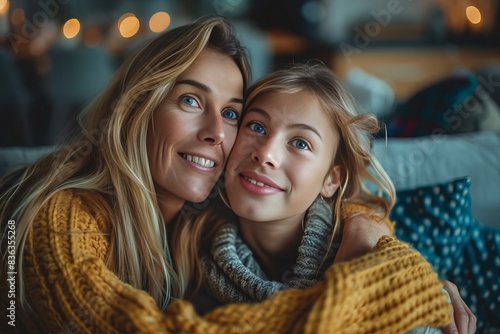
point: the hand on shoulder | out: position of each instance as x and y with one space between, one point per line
360 235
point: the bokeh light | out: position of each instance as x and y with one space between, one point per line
159 21
128 25
4 6
473 14
71 28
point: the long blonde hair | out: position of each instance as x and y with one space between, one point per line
108 155
360 170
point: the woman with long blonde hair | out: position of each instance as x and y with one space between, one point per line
102 203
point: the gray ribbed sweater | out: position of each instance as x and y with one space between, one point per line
231 273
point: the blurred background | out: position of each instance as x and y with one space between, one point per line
56 55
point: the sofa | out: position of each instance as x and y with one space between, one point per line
410 162
429 160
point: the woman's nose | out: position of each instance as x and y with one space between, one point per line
212 131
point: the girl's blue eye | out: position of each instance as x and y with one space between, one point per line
300 144
230 114
256 127
190 101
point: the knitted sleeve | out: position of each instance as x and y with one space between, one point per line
390 290
68 284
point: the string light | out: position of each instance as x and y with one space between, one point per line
159 21
71 28
4 6
128 25
473 14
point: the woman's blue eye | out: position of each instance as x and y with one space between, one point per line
190 101
300 144
230 114
256 127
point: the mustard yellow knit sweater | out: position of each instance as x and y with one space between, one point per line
390 290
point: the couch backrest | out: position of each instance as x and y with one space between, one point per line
410 162
423 161
13 157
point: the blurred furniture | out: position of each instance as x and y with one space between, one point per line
424 161
14 104
75 77
258 47
409 69
13 157
448 208
410 162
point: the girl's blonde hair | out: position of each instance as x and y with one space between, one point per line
360 170
108 155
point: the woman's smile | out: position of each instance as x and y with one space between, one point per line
197 160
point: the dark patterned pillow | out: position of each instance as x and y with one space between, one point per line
436 108
437 221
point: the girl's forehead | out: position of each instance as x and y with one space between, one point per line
282 103
283 109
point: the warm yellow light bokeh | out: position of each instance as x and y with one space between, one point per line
128 25
159 21
71 28
4 6
473 14
123 17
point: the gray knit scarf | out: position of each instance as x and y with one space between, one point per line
231 273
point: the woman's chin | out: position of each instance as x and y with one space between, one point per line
199 196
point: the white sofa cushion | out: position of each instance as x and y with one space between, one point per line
421 161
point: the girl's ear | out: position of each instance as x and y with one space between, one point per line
331 183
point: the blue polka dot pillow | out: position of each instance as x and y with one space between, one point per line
437 221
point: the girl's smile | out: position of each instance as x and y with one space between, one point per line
258 184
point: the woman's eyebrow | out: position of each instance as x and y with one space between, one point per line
204 88
196 84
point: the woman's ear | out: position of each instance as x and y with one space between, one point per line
331 183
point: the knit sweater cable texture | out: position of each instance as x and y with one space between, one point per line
390 290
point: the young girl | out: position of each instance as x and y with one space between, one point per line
301 168
297 172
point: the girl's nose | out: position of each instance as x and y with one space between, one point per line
268 153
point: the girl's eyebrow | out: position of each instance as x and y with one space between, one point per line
260 111
302 126
204 88
305 127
